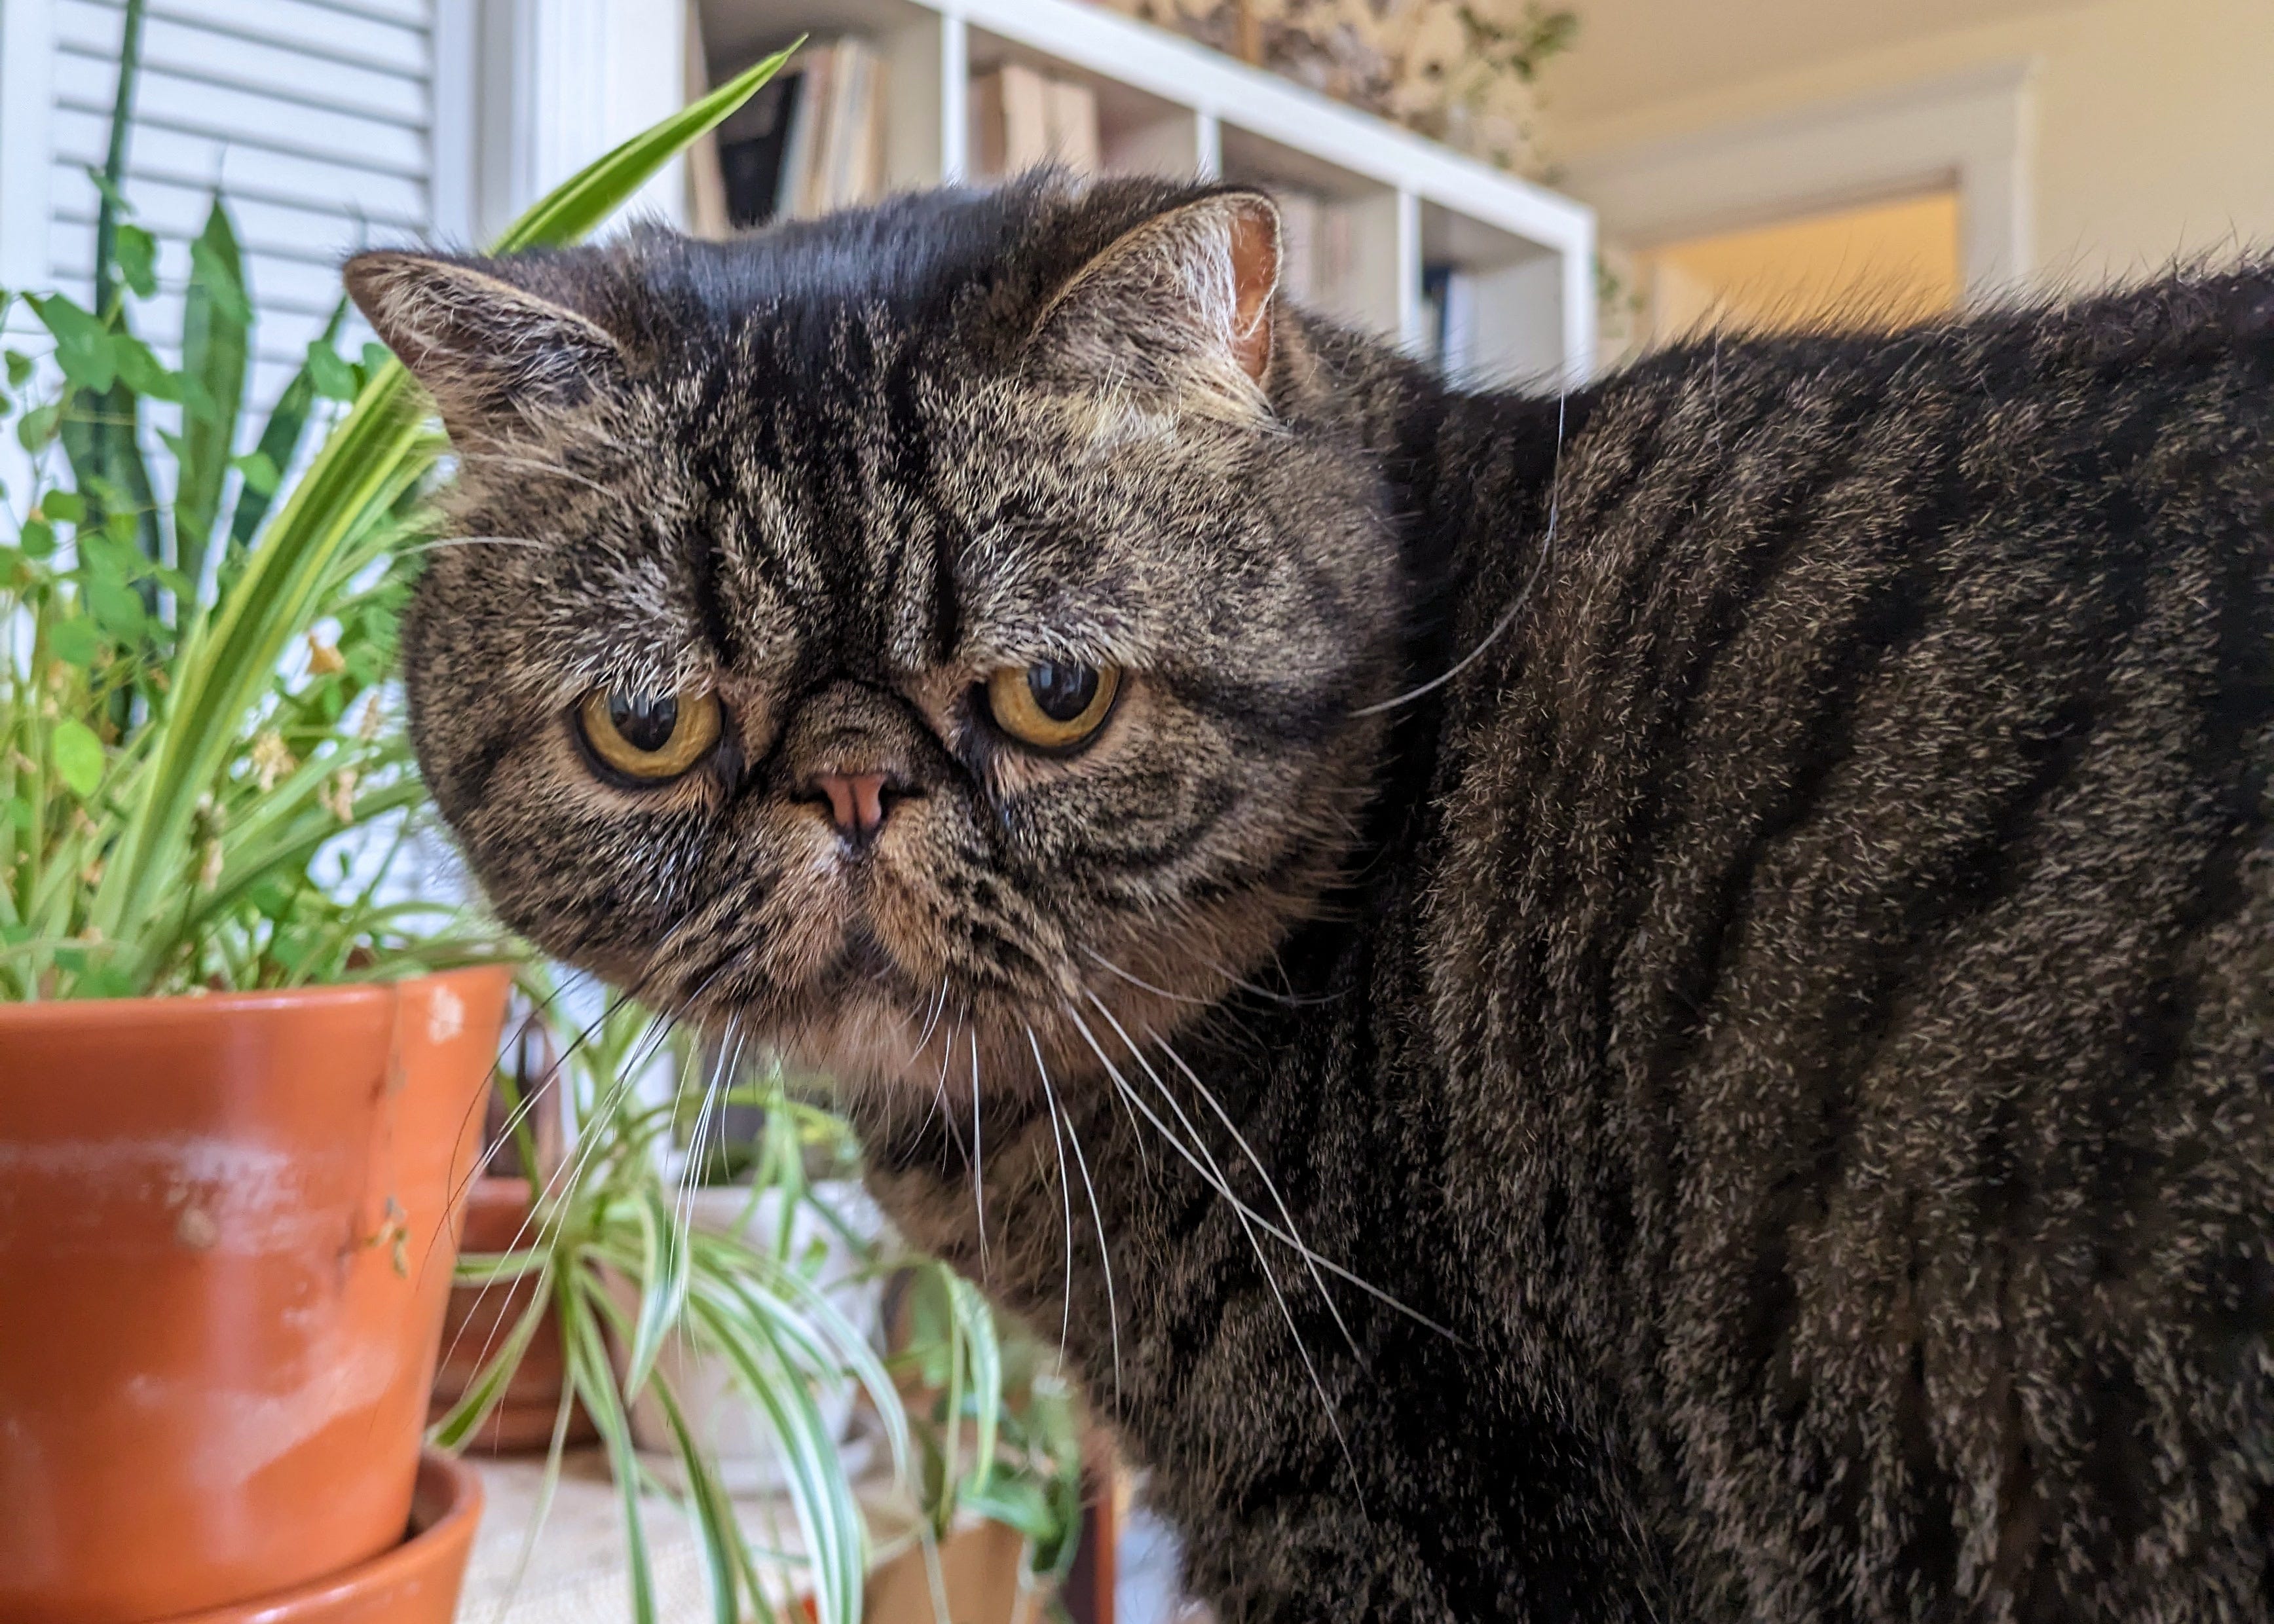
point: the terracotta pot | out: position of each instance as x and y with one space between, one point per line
479 1319
415 1583
980 1565
226 1238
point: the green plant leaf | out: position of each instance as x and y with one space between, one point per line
484 1391
77 755
137 260
663 1287
36 427
66 505
37 538
140 369
261 472
334 378
827 1515
714 1514
216 333
596 1386
109 191
975 1322
117 606
597 191
280 443
75 641
216 266
84 349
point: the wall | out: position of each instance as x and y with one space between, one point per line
2154 123
563 81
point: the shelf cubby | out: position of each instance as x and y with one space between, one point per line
1417 218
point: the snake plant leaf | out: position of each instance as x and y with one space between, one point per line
216 330
279 445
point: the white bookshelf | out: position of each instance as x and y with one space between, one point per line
1521 258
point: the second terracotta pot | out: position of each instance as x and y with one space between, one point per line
479 1321
226 1238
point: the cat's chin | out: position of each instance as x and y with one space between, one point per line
909 1049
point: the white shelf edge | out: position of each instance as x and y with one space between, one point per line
1207 139
954 99
1189 74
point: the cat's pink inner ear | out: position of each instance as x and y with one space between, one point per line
1255 278
1178 309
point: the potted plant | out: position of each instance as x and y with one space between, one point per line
237 1089
524 1152
769 1173
719 1302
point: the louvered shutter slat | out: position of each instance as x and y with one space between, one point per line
314 118
319 30
246 173
218 56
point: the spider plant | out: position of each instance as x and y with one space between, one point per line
973 1420
194 645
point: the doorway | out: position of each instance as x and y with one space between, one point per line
1872 266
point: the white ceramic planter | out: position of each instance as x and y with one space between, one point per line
722 1417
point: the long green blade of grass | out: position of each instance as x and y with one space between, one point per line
714 1514
487 1391
279 447
587 198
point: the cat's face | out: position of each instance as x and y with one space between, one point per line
893 675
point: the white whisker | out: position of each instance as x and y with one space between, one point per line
571 1169
931 1018
1256 1161
1265 1224
533 465
1310 1369
1523 594
1177 997
1065 1191
470 541
1104 1252
978 1178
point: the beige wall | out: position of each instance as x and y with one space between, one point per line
2154 123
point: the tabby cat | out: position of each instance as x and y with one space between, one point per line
1657 1005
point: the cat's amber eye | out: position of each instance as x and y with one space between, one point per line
652 737
1052 704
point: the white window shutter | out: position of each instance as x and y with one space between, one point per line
326 125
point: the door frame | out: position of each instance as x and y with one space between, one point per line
1972 131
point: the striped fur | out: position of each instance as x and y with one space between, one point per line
1791 1022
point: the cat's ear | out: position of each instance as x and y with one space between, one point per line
487 349
1180 306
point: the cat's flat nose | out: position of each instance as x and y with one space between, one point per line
857 802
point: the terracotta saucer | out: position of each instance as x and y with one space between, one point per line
415 1582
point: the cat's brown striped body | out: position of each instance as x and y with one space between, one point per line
1794 1012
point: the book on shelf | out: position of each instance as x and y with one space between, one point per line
809 141
1021 116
